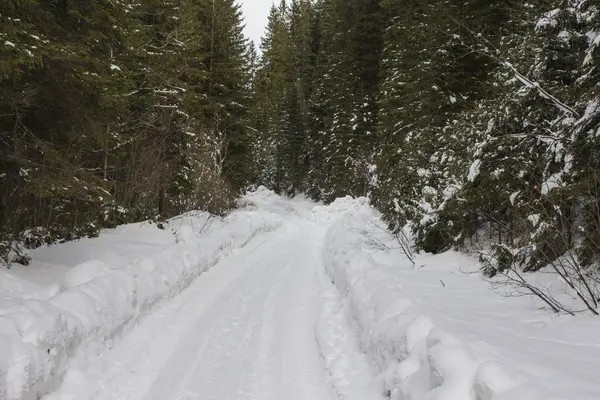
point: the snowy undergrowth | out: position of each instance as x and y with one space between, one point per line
414 359
94 302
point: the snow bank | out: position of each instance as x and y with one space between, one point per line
94 302
340 208
258 196
348 367
414 359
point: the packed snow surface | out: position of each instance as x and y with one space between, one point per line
283 299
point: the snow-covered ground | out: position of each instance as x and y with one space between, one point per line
79 298
559 354
283 299
437 330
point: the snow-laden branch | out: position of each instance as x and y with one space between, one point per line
496 55
544 93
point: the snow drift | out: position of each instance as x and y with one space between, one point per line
94 302
414 359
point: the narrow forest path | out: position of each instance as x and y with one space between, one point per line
243 330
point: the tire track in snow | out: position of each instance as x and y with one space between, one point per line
137 363
245 330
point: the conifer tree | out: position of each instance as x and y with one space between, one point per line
345 95
109 114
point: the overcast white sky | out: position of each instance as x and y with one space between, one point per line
255 17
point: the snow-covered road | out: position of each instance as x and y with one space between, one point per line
283 299
243 330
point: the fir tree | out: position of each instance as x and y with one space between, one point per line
115 112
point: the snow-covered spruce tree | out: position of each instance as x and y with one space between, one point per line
527 182
431 75
223 52
343 133
144 154
105 113
408 103
563 212
301 22
214 70
61 94
316 92
282 89
503 154
271 83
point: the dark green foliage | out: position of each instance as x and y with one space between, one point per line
108 114
316 93
475 122
510 160
282 89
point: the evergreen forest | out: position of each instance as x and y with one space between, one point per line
473 124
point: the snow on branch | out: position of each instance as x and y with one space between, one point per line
544 93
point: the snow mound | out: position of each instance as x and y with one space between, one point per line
96 302
260 195
186 235
85 272
413 358
340 208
